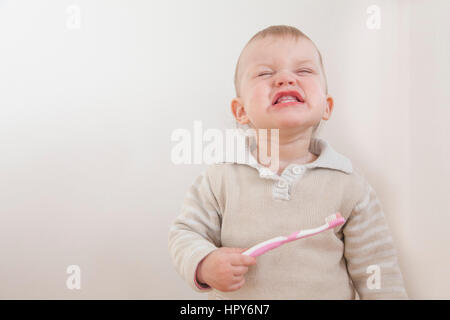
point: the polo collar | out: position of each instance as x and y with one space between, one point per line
327 158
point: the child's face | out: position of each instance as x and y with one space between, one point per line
272 65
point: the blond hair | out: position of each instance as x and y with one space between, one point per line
279 31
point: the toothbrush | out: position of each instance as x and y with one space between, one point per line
331 221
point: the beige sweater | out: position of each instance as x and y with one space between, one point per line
241 204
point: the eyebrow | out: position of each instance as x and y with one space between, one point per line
296 62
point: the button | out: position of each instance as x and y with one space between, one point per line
297 170
282 184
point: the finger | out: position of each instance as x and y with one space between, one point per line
237 279
240 270
233 250
243 260
237 285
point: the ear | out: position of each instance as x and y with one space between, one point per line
329 108
238 110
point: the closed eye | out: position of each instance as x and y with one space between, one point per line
264 73
304 71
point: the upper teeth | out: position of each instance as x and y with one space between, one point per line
287 98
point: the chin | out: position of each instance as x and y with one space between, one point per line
290 122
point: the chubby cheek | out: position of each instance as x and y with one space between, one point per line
315 94
259 99
260 94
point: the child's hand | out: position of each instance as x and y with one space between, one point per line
224 269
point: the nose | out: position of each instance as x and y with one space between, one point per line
284 78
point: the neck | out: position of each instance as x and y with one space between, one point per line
293 147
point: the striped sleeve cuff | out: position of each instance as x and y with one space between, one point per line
370 252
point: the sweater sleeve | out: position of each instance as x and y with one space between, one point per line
196 231
369 251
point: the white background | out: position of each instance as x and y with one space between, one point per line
86 117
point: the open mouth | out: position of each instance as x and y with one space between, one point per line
287 98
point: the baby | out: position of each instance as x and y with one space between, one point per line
280 84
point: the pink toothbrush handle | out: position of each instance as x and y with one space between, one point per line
331 222
266 248
271 244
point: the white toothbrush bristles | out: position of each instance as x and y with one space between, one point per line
332 217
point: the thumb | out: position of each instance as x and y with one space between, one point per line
236 250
